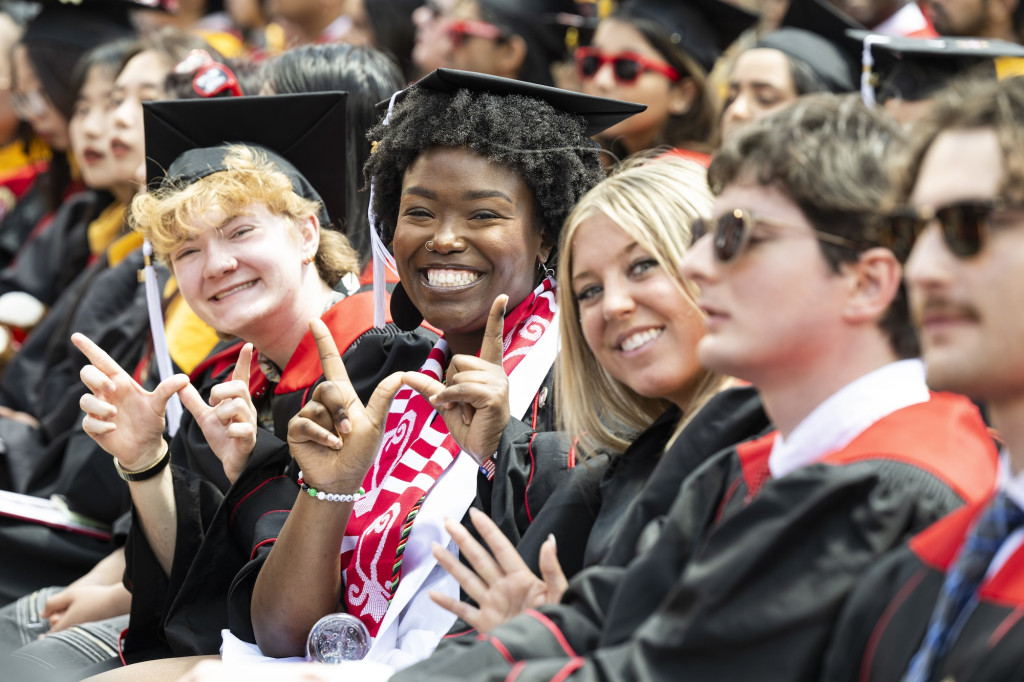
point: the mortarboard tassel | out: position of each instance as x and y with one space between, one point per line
156 328
381 256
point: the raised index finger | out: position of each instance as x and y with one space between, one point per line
241 371
96 355
330 358
493 344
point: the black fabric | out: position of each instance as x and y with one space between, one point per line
26 214
305 134
735 585
46 265
183 614
885 619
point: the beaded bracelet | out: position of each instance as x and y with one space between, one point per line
330 497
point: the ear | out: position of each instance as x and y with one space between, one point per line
309 235
1001 11
682 95
874 282
545 252
511 55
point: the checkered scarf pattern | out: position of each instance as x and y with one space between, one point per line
415 451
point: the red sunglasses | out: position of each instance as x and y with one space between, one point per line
209 78
458 29
626 66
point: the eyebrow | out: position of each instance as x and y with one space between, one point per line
471 195
632 246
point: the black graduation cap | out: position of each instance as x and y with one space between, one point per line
915 68
541 23
701 28
814 32
599 113
303 134
88 23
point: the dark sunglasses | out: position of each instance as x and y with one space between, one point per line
963 226
458 29
732 233
626 66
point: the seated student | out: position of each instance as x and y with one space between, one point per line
746 573
947 604
629 386
660 53
242 230
472 177
810 52
44 451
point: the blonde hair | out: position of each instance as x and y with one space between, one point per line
654 203
165 216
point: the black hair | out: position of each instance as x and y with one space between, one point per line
368 76
805 80
545 40
109 56
393 30
547 148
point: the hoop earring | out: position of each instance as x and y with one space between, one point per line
309 259
545 270
427 246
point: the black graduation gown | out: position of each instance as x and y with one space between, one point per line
46 265
221 526
885 619
747 574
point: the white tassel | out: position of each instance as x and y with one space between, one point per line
867 63
156 327
381 256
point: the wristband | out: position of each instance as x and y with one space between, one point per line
330 497
147 473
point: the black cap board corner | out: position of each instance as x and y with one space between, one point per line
701 28
184 139
599 113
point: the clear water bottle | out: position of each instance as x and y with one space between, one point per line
336 638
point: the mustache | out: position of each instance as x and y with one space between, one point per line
932 306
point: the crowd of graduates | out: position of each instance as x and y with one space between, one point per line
511 339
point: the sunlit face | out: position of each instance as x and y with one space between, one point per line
662 97
89 129
776 307
639 324
760 84
959 17
432 49
47 122
141 79
968 309
479 53
360 30
242 275
478 218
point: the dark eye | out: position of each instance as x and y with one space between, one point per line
587 293
641 266
242 231
184 253
484 215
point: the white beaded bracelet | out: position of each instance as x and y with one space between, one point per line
329 497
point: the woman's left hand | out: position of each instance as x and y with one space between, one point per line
499 581
474 399
229 421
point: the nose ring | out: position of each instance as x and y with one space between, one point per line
427 246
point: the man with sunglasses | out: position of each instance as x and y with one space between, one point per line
745 575
948 604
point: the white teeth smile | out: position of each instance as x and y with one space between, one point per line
634 341
451 278
232 290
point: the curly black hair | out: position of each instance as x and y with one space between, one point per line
545 147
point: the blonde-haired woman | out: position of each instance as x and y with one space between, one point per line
628 384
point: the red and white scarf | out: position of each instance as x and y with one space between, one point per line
415 451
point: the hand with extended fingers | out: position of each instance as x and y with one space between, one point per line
125 419
499 581
474 398
229 420
334 438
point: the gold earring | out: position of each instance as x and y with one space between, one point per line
309 259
